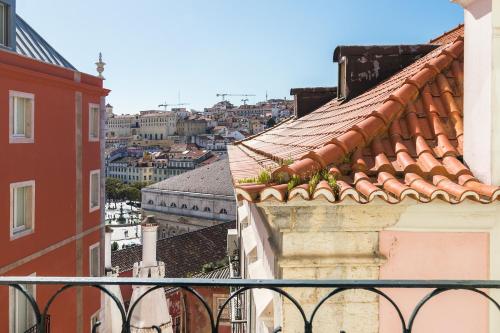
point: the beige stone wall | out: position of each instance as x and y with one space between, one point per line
318 241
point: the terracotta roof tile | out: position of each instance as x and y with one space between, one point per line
184 254
449 36
402 138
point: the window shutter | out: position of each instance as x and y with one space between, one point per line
28 115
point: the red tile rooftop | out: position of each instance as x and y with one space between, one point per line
402 138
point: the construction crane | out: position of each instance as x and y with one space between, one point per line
236 95
165 105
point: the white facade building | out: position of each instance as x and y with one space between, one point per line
152 125
191 201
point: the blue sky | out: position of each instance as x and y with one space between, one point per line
155 49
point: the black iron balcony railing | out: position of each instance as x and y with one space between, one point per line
37 328
239 287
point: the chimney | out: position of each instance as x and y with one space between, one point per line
307 100
107 248
482 88
362 67
152 310
149 233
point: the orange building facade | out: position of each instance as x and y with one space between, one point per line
51 191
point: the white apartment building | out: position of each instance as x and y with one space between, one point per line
129 170
191 201
152 125
120 126
157 125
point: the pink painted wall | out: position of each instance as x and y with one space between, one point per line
432 256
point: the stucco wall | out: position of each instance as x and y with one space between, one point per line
430 256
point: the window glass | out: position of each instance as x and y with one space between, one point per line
3 24
21 118
22 206
94 190
94 123
94 260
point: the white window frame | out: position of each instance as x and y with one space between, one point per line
14 234
93 106
94 208
21 138
91 248
12 312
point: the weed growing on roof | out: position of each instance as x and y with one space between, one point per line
313 182
294 181
332 181
264 177
249 180
347 158
287 161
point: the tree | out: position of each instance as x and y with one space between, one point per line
116 190
131 193
140 185
113 187
114 246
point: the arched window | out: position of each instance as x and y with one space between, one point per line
206 209
163 204
223 211
173 205
195 207
150 202
184 206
